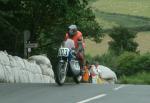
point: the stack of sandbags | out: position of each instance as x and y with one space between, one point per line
44 64
5 67
2 73
101 74
4 60
107 73
14 69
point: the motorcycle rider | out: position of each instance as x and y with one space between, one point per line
74 34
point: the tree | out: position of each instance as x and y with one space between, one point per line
47 20
75 12
9 32
123 40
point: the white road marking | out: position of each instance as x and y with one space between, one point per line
90 99
117 88
100 96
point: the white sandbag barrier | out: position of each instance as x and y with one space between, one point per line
107 73
102 74
37 69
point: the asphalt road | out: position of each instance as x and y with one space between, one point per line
73 93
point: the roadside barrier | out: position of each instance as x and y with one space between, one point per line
37 69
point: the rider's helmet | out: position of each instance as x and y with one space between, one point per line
72 30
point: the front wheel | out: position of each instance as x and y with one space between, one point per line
61 73
77 79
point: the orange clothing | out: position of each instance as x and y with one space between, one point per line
86 75
75 38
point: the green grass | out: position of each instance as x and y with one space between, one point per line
133 14
139 78
128 7
128 13
112 19
93 49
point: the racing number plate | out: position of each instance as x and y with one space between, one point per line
63 52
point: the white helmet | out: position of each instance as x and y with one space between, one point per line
72 30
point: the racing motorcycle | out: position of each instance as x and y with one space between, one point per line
68 65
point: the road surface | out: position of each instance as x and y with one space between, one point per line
73 93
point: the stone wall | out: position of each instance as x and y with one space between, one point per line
14 69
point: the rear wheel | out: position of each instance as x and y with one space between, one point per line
77 79
61 73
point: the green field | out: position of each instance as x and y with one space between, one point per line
92 48
143 39
108 20
138 78
128 7
134 14
128 13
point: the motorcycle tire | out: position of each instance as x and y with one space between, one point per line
61 72
77 79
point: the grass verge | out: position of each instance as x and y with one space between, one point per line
139 78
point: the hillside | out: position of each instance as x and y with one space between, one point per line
133 14
129 13
143 39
